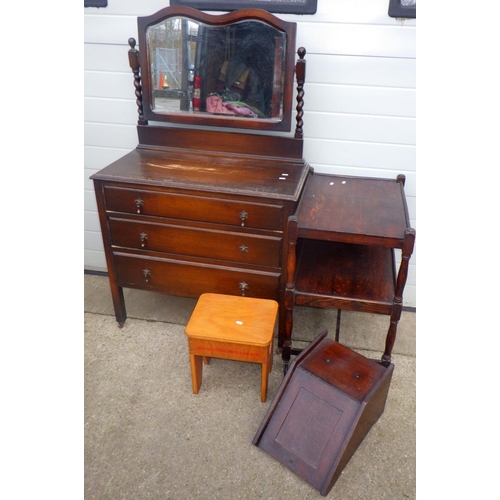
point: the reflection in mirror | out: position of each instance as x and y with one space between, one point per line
236 69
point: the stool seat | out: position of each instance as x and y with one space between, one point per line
231 327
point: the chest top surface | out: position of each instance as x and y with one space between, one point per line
210 172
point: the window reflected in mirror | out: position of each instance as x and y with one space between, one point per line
236 70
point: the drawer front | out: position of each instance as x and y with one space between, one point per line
197 242
197 208
189 279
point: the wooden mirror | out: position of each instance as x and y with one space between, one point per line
230 70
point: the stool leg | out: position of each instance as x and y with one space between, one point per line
206 360
270 357
263 389
196 371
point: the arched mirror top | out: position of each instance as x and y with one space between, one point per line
230 70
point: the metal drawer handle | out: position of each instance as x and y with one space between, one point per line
243 217
147 274
139 204
143 237
243 288
244 249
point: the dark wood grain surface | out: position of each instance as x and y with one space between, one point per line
217 173
354 209
346 276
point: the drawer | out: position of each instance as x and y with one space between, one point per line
191 279
197 208
196 242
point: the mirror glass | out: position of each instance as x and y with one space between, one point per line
235 70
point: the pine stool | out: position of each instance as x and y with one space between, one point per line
231 327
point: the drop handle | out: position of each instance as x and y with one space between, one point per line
243 217
139 204
147 274
143 237
243 288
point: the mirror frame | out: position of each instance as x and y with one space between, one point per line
207 119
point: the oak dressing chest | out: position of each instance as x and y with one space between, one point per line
198 206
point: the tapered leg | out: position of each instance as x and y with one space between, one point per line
196 371
118 304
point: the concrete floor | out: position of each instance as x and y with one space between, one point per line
147 436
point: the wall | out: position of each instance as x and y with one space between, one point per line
360 116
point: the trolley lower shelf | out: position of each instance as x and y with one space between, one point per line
345 276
